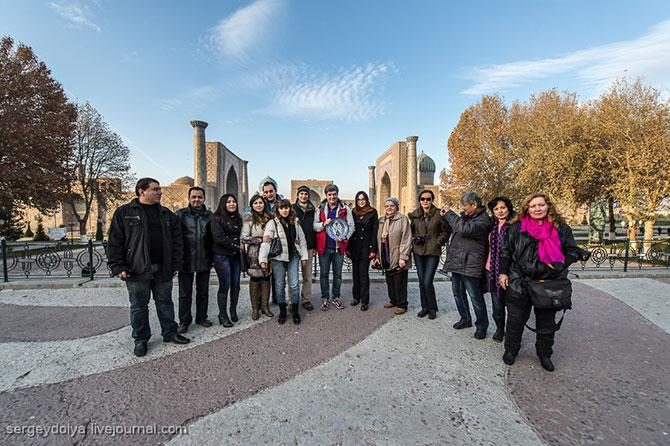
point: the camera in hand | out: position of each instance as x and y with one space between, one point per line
419 240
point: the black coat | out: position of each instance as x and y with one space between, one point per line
364 239
128 243
226 235
519 256
433 229
469 244
197 239
306 218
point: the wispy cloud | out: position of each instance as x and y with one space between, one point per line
191 100
246 31
647 56
75 14
348 95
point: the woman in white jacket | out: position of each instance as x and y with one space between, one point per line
286 227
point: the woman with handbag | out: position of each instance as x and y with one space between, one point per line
503 212
284 238
252 237
538 249
429 233
362 248
394 239
226 227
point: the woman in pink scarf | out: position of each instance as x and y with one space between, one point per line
538 245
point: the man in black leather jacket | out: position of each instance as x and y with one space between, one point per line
145 251
197 260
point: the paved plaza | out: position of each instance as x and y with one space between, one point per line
68 375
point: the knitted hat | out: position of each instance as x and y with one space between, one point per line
393 200
303 188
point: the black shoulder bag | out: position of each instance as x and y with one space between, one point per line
275 244
553 294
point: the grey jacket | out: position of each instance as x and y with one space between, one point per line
468 248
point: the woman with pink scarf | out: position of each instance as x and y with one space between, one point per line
538 245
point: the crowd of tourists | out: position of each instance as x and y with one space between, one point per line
520 258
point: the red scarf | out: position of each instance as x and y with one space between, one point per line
549 246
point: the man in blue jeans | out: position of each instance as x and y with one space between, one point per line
145 250
331 252
466 258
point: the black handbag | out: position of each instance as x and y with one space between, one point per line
275 248
553 294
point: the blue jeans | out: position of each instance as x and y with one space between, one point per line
139 293
498 307
426 266
279 272
335 258
459 285
228 270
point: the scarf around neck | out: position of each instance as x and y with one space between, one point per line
549 246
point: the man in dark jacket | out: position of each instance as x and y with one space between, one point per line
466 258
145 251
197 260
304 210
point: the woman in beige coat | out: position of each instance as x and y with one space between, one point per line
394 240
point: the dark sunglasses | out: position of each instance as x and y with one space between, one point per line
426 199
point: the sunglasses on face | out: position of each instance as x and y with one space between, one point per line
426 199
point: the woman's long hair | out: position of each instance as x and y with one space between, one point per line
291 213
552 213
360 211
256 218
221 211
508 203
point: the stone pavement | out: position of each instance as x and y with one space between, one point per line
341 377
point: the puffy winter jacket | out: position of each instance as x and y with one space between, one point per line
468 248
226 235
128 243
275 229
197 239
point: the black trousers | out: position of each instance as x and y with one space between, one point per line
426 266
361 275
397 287
186 296
518 312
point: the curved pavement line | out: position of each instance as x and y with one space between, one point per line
71 297
649 297
610 385
21 323
413 381
172 390
34 363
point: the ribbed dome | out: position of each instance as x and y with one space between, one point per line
266 180
184 181
426 163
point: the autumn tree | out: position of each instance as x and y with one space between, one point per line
36 125
550 148
480 158
632 128
99 165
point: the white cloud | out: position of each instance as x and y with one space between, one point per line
349 95
76 15
647 56
246 30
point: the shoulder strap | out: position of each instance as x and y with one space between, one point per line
558 326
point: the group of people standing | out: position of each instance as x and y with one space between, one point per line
495 251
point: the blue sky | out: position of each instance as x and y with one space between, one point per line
318 89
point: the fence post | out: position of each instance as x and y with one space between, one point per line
625 257
91 270
5 273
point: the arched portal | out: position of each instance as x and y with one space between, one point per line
314 197
231 183
385 189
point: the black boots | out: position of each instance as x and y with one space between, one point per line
295 312
509 357
222 300
546 363
234 295
500 332
282 313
